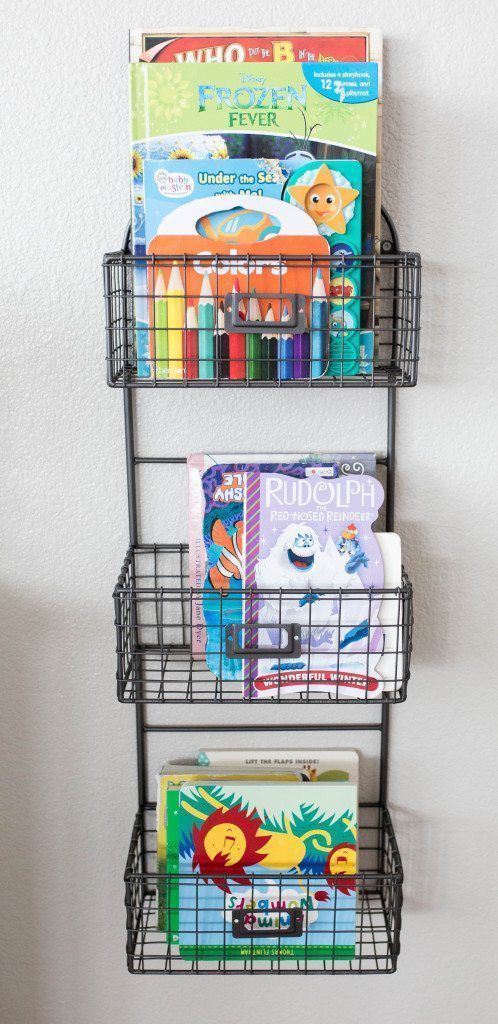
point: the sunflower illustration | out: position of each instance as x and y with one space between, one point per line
219 150
179 153
137 164
169 95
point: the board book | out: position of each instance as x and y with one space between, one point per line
294 533
262 860
169 782
314 765
203 495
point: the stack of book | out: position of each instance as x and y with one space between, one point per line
257 854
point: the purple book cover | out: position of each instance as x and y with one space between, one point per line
209 488
305 537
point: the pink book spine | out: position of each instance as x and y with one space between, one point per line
197 558
251 603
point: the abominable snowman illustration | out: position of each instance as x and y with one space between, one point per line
298 562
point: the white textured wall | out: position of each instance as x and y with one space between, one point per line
67 776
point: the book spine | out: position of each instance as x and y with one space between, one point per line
251 603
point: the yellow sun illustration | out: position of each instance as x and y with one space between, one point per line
325 201
169 95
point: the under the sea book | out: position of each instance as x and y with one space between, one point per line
267 871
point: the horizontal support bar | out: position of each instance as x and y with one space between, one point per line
169 461
250 727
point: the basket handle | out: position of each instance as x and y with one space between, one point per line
243 930
292 646
235 324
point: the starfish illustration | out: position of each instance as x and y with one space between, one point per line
325 201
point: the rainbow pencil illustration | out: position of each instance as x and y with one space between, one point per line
222 350
205 313
192 343
253 341
237 342
302 354
161 327
175 299
269 348
285 350
319 327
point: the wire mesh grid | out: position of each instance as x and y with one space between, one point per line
154 905
162 639
162 328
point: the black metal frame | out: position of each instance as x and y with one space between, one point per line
384 881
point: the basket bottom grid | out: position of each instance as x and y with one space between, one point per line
377 915
172 676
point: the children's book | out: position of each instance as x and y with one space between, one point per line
170 184
208 490
220 111
314 765
294 533
331 194
311 536
268 871
160 47
223 528
169 781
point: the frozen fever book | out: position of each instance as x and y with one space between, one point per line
267 871
305 540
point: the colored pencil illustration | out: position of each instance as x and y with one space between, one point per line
175 299
222 349
319 327
269 349
285 350
237 342
192 343
301 354
161 327
206 330
253 341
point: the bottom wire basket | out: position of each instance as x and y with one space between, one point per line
153 903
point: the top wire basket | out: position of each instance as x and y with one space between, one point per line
242 320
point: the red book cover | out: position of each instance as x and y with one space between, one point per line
164 48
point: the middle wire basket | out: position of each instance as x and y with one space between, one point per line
266 645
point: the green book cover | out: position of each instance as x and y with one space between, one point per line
168 797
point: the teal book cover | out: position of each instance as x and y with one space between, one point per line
267 871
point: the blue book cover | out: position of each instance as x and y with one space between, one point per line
267 871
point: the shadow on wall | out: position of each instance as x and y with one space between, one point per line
423 857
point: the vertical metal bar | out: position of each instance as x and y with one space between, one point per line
390 480
133 528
